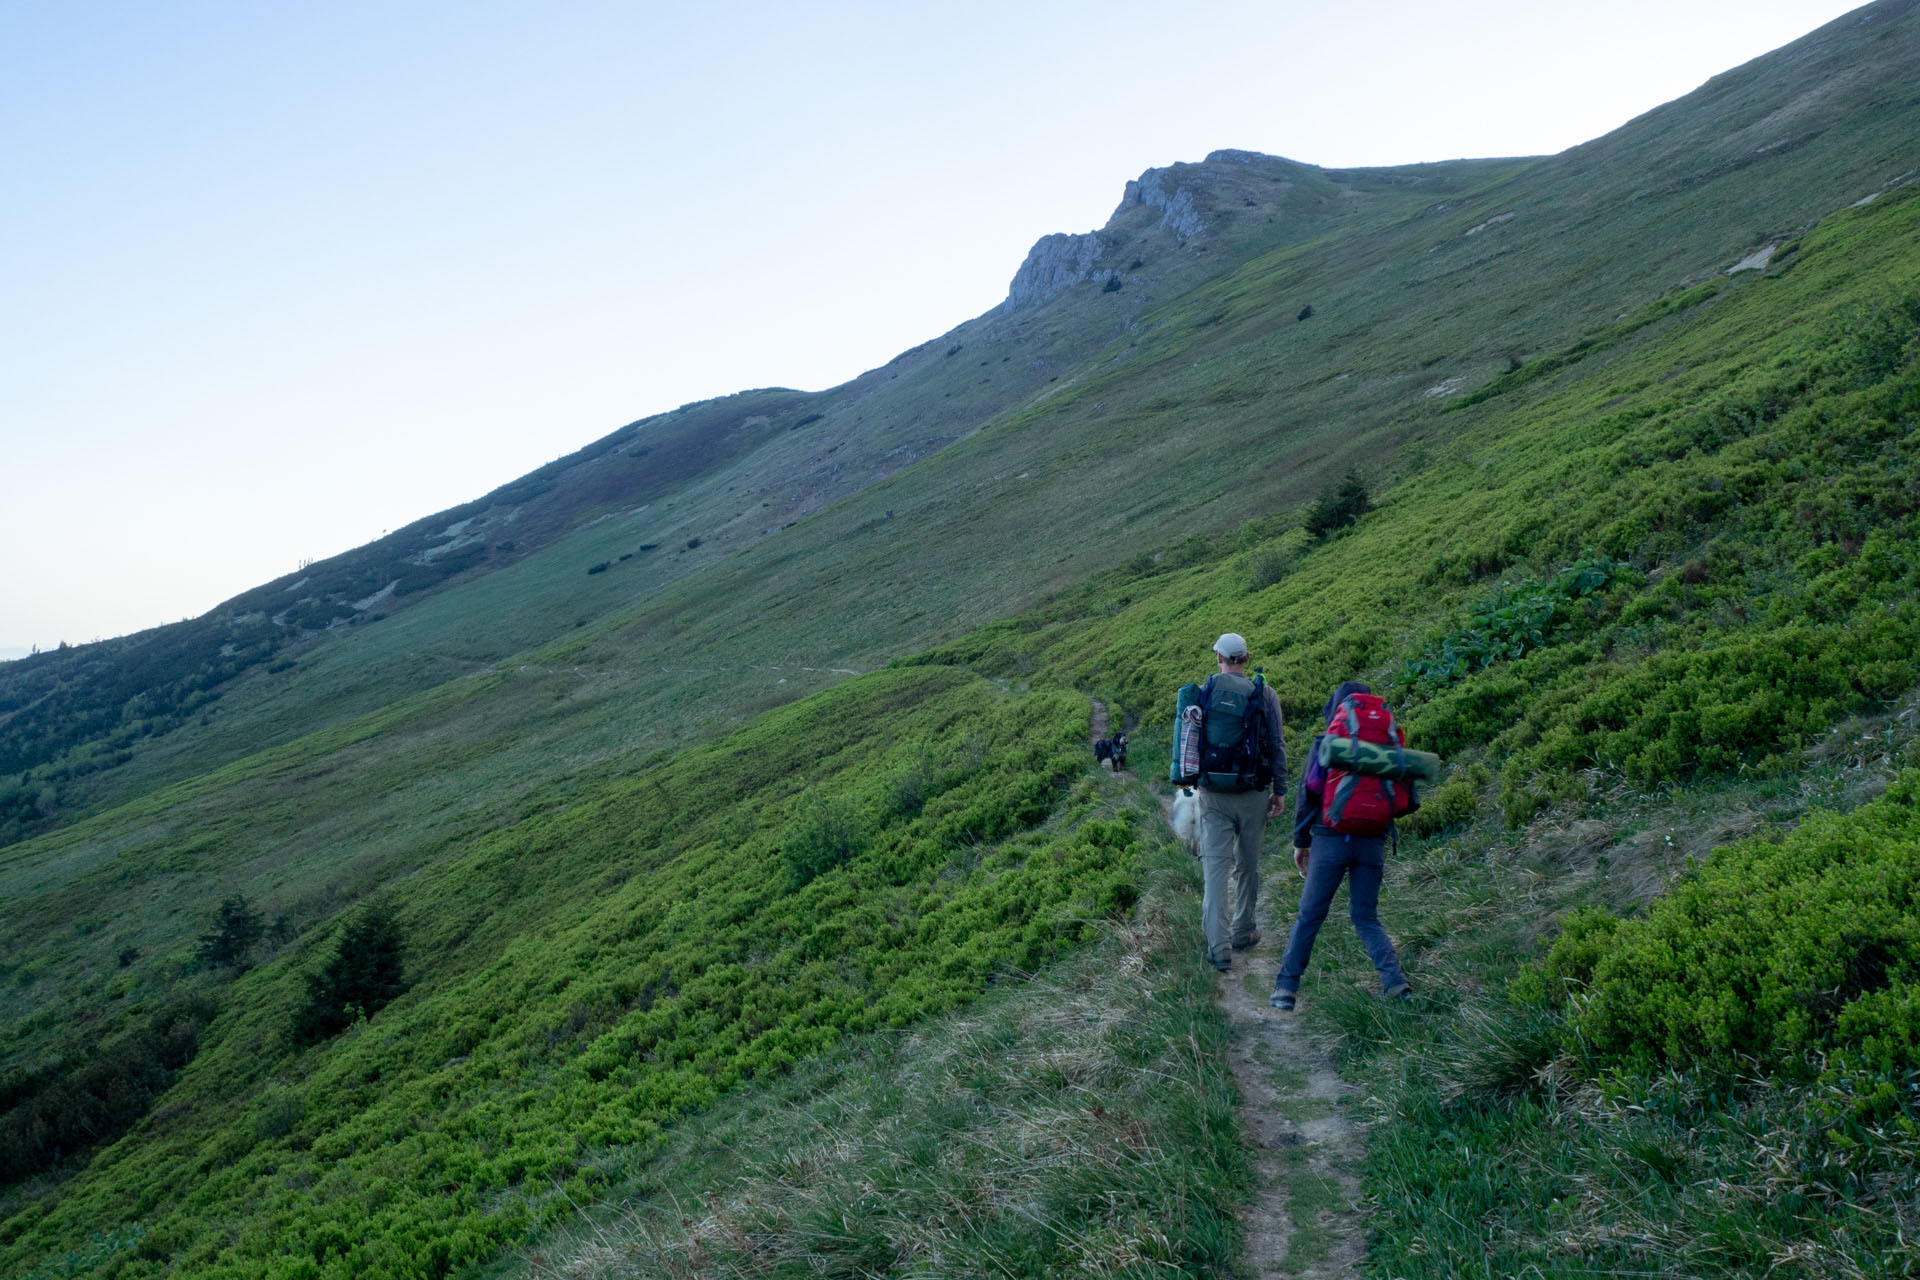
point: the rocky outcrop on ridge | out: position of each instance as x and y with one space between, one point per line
1054 263
1161 210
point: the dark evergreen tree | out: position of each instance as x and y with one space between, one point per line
363 977
1339 505
229 944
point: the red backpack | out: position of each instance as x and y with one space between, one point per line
1356 804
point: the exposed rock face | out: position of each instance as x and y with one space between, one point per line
1160 189
1186 197
1053 264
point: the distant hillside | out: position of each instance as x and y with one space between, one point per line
688 486
760 725
1472 264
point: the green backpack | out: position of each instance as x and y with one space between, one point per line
1233 743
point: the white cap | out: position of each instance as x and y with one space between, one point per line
1231 645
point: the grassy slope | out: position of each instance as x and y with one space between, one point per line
1091 643
582 975
651 503
1075 1120
1749 630
1478 532
458 758
1496 1153
1406 299
1040 500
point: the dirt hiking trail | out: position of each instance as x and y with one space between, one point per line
1295 1110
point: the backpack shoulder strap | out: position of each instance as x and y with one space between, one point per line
1347 717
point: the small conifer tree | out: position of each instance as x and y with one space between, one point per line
237 928
1339 505
363 977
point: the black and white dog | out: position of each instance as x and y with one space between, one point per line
1112 752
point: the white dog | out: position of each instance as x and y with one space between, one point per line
1185 818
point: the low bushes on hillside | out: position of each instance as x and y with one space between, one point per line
69 1109
1778 527
607 963
1785 955
1081 1123
1514 622
822 835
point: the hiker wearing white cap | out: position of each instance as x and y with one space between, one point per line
1241 780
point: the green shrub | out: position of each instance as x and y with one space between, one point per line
279 1110
1586 935
1512 623
1775 953
1269 567
826 832
1449 805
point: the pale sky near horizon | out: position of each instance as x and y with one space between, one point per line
275 279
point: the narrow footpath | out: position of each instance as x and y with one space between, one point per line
1295 1110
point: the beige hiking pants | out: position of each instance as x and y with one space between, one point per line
1232 824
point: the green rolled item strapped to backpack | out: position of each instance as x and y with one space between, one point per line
1378 760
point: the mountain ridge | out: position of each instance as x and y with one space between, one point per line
815 449
564 775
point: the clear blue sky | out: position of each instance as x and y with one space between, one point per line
277 278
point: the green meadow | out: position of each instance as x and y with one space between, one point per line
762 912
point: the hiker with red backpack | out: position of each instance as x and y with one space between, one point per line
1340 828
1227 747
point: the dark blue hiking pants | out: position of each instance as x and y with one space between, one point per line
1361 860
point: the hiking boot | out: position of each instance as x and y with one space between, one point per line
1249 942
1222 963
1281 1000
1399 992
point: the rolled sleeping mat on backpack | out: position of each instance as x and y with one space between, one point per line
1184 768
1378 760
